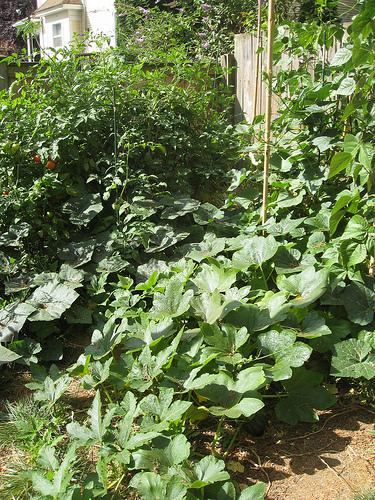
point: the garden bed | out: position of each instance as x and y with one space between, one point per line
332 459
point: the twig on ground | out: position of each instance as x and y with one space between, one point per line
338 475
259 464
287 455
324 424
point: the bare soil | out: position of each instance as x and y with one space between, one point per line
331 460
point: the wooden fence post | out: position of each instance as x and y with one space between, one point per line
227 63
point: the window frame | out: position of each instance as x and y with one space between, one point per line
57 37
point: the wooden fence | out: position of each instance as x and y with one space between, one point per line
8 72
243 74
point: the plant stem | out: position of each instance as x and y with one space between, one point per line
216 437
117 483
275 395
107 394
264 276
232 441
127 171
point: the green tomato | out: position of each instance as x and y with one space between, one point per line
55 94
49 215
63 101
14 149
117 204
7 147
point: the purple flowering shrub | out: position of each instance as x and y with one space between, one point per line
155 31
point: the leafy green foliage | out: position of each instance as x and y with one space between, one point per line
194 310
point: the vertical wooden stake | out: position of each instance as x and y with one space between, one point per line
271 24
256 83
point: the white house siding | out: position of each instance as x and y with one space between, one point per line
95 16
101 18
71 22
48 22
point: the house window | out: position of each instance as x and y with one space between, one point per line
57 35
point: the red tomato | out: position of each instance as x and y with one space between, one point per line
37 159
51 165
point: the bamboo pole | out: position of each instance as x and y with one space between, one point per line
256 83
271 24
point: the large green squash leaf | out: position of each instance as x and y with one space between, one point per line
359 302
163 408
7 356
290 260
304 397
151 486
147 332
162 237
283 348
225 340
207 213
255 492
352 358
247 407
210 306
209 247
149 366
214 276
12 319
102 342
284 226
182 205
12 237
308 285
50 301
61 478
256 251
234 397
173 302
313 325
98 424
288 199
251 317
209 470
78 253
340 329
165 453
82 210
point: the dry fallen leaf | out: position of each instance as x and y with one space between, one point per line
235 466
